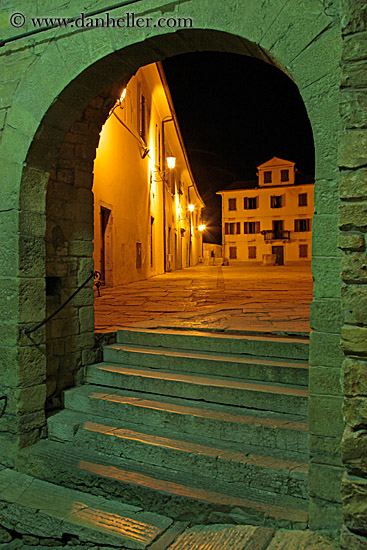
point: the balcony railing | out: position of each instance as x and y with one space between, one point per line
276 235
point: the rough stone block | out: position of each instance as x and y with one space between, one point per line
325 350
34 183
326 272
331 422
355 411
351 241
355 47
351 541
353 216
26 400
81 248
324 381
9 254
353 149
326 315
354 304
353 184
354 16
325 515
324 482
354 377
325 450
24 423
354 451
354 339
324 226
354 497
353 108
353 76
86 319
326 196
354 267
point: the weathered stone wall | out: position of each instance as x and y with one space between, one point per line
352 241
69 252
47 83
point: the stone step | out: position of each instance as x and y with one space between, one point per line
213 389
258 476
36 507
177 494
249 343
247 367
271 431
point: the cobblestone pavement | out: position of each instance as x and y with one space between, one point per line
273 298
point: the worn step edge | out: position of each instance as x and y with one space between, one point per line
44 506
66 424
264 475
207 380
272 432
144 486
184 407
238 366
264 396
270 345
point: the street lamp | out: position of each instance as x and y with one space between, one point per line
191 207
171 162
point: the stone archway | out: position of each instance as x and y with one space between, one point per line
78 69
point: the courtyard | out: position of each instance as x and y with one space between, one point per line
229 298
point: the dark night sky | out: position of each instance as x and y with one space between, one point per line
236 112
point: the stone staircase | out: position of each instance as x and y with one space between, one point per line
204 427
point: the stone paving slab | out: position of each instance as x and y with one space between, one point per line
275 298
39 508
220 537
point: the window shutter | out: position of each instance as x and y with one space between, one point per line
238 228
257 230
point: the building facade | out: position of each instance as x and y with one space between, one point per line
146 213
269 220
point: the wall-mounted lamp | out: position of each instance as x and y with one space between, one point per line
191 207
202 227
171 162
122 96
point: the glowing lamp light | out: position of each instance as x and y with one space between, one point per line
171 162
123 95
202 227
191 207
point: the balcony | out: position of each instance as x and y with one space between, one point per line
276 235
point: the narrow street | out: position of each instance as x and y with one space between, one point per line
273 298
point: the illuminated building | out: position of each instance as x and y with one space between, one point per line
269 220
147 209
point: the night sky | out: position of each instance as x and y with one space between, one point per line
235 112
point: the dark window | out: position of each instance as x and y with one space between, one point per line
251 227
232 228
302 225
303 251
284 175
151 240
250 203
252 252
232 204
277 201
233 252
141 113
302 199
138 255
267 177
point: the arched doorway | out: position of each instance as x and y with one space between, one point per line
80 109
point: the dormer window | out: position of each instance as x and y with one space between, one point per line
267 176
284 175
